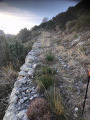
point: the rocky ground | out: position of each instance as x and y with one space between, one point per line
71 53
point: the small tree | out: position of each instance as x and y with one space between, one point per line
15 53
23 34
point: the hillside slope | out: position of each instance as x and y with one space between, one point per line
75 18
67 37
70 62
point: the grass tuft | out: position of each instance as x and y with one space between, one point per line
50 57
46 80
48 70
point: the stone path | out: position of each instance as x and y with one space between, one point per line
24 89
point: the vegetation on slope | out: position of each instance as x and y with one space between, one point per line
13 50
78 17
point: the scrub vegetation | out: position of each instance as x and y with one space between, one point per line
61 77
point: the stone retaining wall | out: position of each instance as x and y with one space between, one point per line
24 89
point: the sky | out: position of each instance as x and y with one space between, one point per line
18 14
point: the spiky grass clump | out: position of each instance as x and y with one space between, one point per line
45 77
47 70
46 80
50 57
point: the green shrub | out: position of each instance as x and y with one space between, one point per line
82 21
27 47
15 53
15 48
23 35
46 80
50 57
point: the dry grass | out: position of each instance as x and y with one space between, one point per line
59 48
59 108
7 80
71 63
55 101
9 73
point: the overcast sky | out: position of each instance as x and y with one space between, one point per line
18 14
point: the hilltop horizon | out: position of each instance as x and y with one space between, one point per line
15 16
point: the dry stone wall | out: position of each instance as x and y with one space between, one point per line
24 89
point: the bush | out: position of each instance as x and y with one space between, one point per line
12 50
27 47
38 110
15 48
15 53
82 22
50 57
23 35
